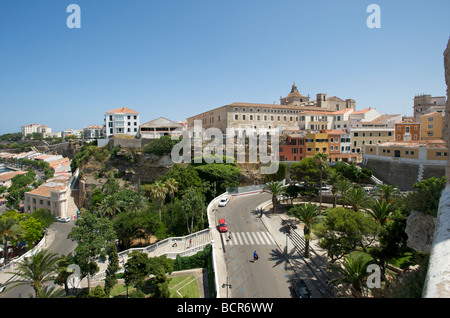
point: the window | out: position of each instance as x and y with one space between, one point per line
355 134
438 154
430 118
236 117
430 126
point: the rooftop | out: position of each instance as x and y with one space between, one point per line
122 110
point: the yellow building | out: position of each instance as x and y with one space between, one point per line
418 151
431 125
316 143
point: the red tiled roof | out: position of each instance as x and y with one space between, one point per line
122 110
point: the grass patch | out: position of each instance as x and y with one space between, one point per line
184 287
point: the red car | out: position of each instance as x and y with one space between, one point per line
223 226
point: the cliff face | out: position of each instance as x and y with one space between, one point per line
131 167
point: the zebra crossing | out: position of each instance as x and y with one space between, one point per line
248 238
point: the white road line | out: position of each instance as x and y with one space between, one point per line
250 238
238 235
244 238
255 237
261 238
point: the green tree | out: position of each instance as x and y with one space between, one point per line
9 230
160 147
157 191
309 215
356 197
353 273
333 179
32 231
275 188
36 270
306 170
172 188
112 269
343 231
137 269
322 166
387 192
292 191
110 206
92 235
193 207
426 194
380 210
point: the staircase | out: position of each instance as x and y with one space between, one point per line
420 173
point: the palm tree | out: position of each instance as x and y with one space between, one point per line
380 210
356 197
308 214
172 188
322 165
333 179
343 186
37 270
275 188
158 191
387 192
9 230
353 273
110 206
139 203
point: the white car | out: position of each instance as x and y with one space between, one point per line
64 219
223 201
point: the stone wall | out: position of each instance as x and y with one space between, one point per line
437 284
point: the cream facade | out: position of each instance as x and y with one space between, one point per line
295 112
429 152
431 125
54 195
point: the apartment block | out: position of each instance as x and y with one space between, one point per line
121 121
292 147
406 131
431 125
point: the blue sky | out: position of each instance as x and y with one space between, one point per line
177 58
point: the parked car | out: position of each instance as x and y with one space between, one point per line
65 219
223 226
302 290
223 202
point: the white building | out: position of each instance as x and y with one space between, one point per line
121 121
35 128
93 132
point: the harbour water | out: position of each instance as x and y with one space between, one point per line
4 169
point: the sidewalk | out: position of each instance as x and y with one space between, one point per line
275 224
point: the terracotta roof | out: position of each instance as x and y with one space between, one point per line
9 175
335 132
362 111
122 110
433 113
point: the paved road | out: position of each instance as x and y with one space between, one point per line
270 276
60 245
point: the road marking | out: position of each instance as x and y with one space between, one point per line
250 238
238 235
